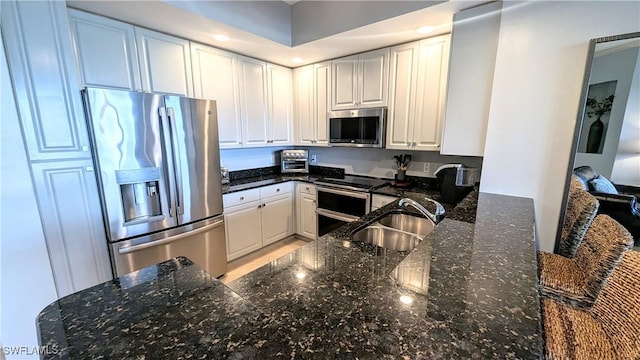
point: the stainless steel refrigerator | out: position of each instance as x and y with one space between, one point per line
158 165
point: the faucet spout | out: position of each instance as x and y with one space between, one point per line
433 217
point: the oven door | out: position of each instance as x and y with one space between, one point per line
329 221
337 207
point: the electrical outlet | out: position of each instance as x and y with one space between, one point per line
314 159
427 167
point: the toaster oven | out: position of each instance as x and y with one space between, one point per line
295 161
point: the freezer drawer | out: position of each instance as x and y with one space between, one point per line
204 243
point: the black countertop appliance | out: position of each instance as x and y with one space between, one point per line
455 181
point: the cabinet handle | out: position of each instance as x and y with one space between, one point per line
264 205
259 206
240 142
408 143
277 190
414 144
307 188
241 197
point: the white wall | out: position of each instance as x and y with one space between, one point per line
251 158
542 51
618 66
26 279
380 162
626 167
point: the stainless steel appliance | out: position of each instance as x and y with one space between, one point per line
358 128
294 161
159 174
343 200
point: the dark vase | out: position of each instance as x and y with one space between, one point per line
595 136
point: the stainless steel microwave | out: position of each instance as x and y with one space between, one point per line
358 127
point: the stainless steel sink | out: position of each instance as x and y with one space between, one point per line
387 238
408 223
395 231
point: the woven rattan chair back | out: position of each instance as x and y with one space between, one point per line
617 309
601 251
581 210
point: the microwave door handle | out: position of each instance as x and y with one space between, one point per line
169 175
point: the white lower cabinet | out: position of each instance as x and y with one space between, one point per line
306 210
244 233
257 217
378 201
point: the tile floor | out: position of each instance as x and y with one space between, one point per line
256 259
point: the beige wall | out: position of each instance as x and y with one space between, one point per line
542 52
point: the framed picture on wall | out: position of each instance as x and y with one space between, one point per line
596 116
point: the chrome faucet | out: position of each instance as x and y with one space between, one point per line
433 217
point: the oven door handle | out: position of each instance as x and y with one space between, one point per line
336 215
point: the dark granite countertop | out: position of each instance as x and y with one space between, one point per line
468 290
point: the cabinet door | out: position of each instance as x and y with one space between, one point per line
215 76
43 73
322 103
105 51
373 76
279 104
402 95
345 81
307 214
277 218
242 238
72 222
165 63
303 101
253 101
474 36
432 82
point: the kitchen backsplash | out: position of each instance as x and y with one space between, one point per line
380 162
367 162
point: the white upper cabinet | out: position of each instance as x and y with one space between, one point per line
360 81
253 102
215 77
165 63
280 107
474 36
105 51
303 100
417 90
312 100
43 74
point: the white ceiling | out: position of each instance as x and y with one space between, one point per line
194 26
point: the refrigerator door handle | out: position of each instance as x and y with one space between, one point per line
169 176
130 249
177 162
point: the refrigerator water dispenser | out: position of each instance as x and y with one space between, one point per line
140 195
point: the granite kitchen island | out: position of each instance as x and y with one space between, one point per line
468 290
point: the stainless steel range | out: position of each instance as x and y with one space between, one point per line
343 200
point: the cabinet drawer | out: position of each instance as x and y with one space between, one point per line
378 201
306 188
277 189
240 197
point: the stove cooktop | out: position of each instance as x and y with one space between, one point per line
353 183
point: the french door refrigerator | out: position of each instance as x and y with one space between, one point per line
158 169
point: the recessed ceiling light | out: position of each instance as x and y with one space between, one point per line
425 29
301 275
297 60
221 37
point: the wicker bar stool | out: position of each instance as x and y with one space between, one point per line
578 281
581 210
610 330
